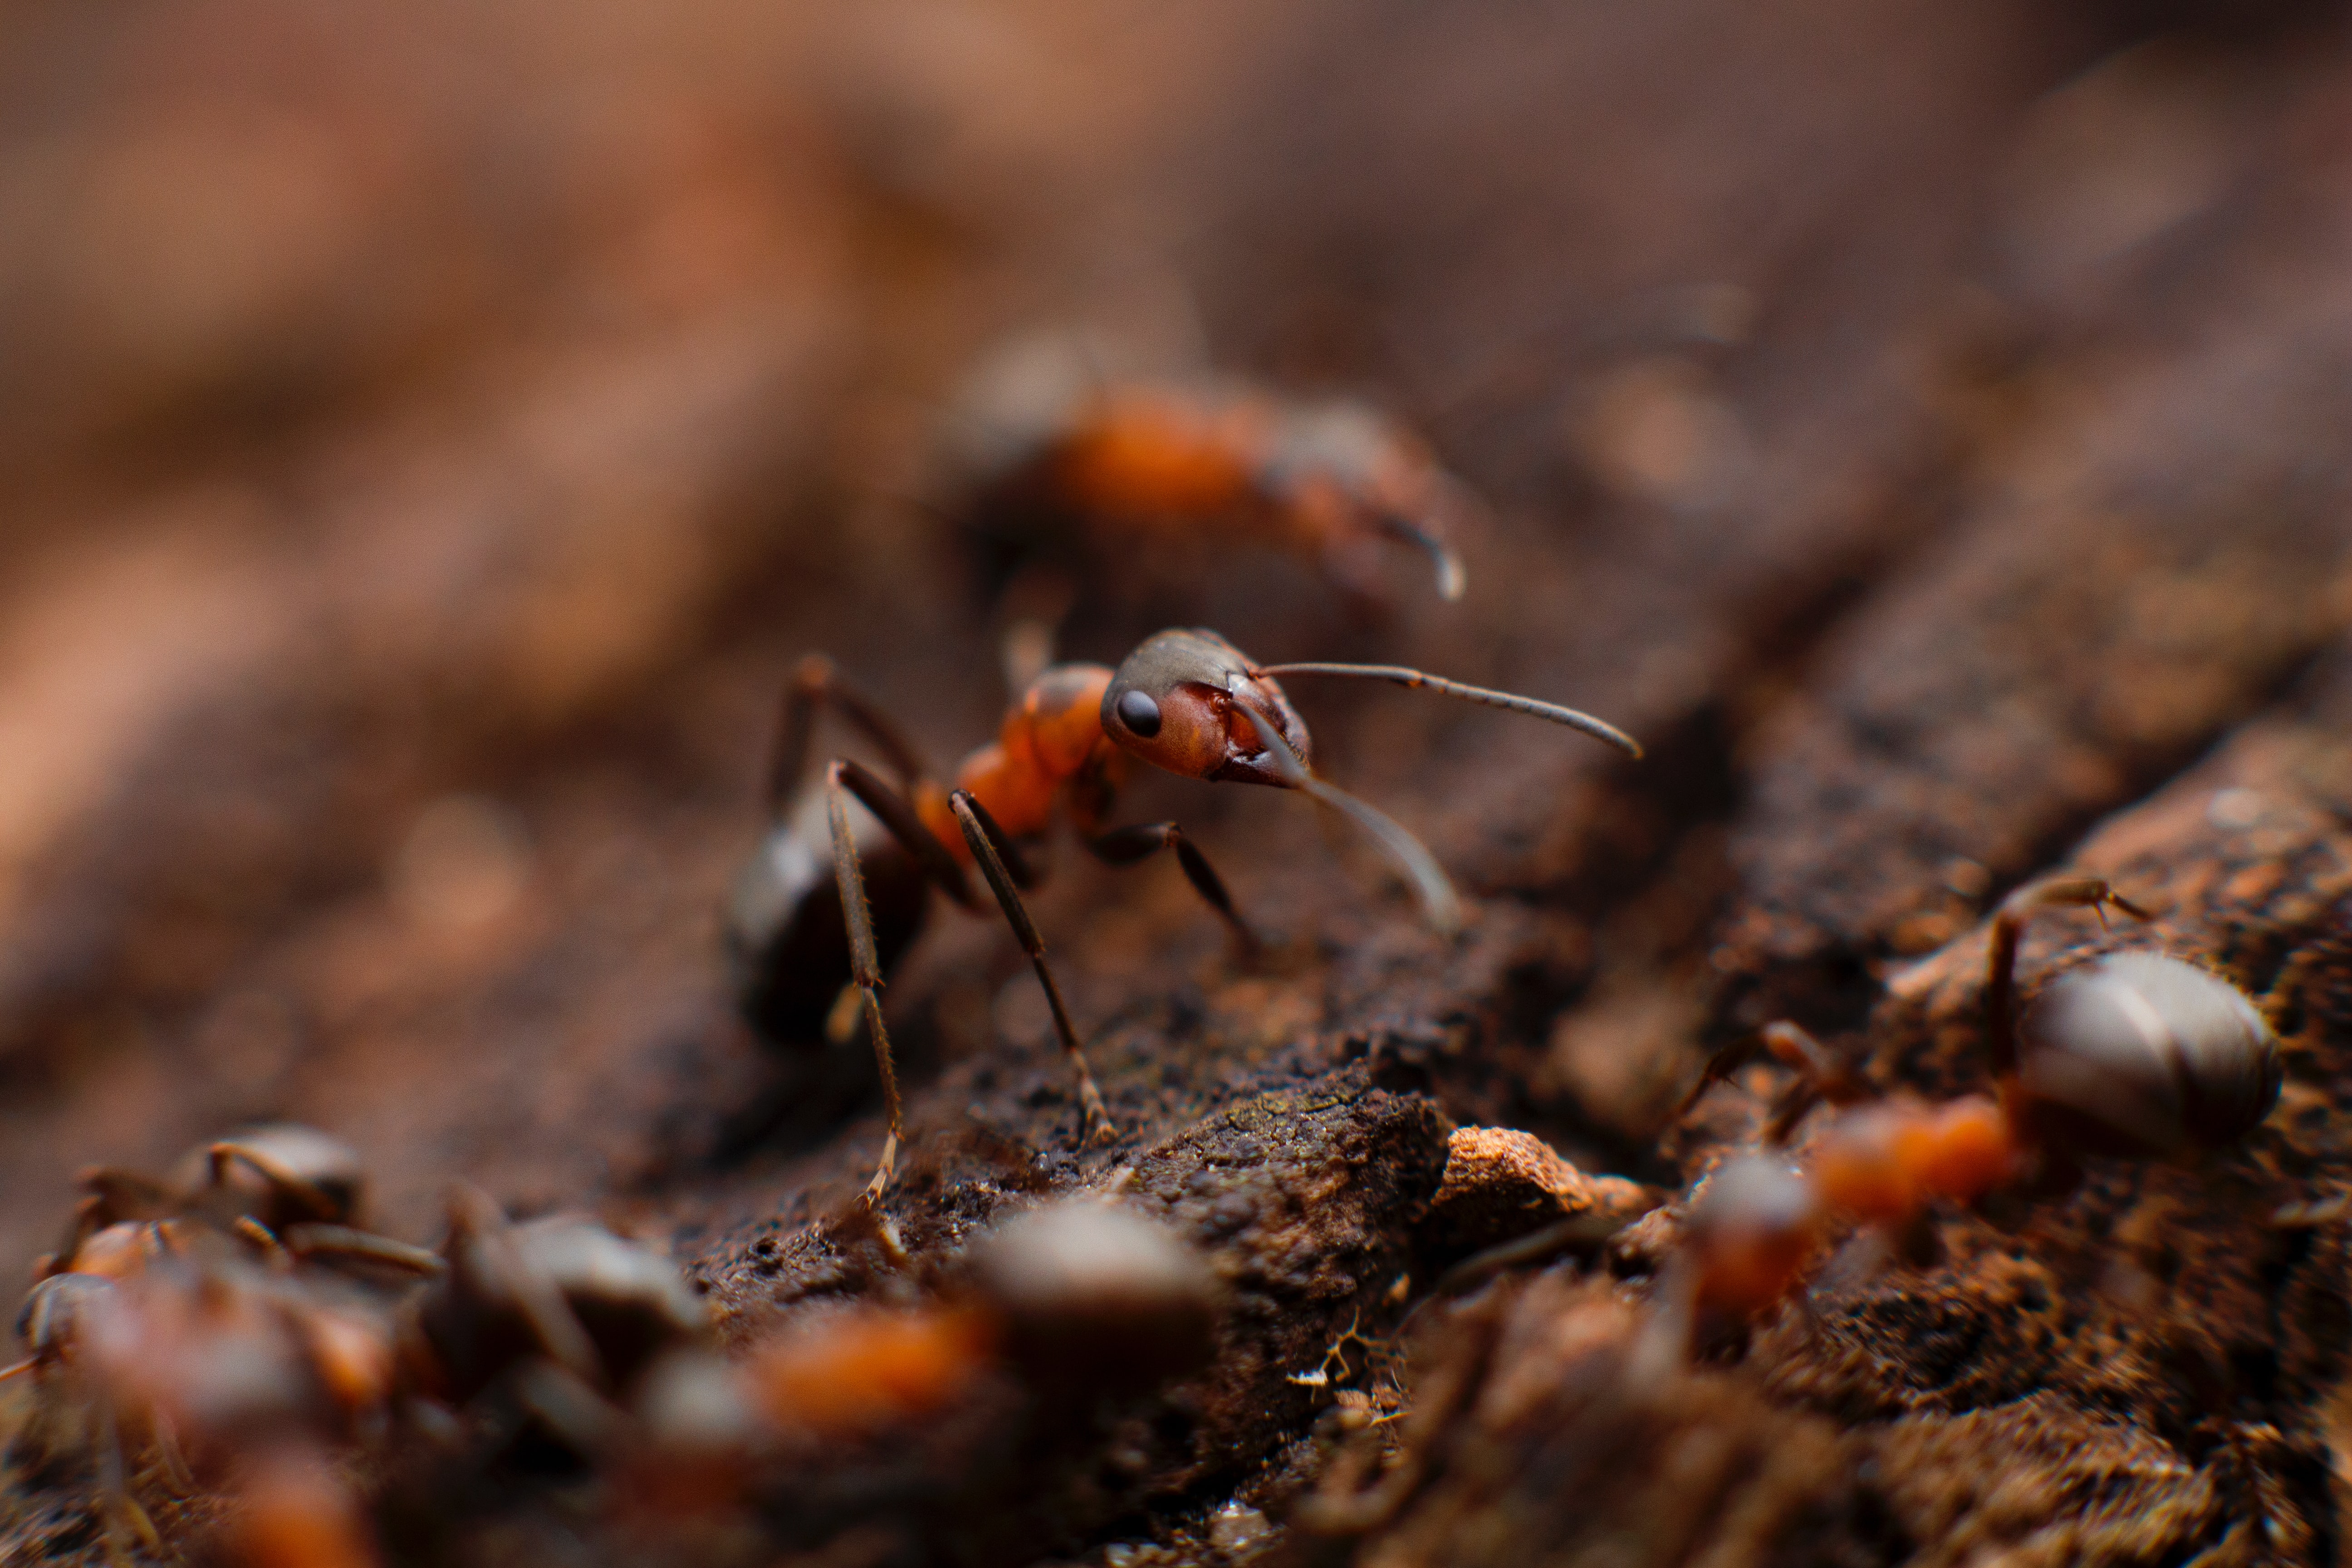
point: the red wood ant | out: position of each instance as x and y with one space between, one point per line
282 1188
254 1368
2137 1054
1060 457
1079 1301
1188 702
558 1314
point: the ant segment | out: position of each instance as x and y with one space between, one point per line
2137 1054
1079 1301
287 1192
245 1365
1187 702
1058 457
559 1313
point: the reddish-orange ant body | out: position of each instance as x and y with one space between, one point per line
1058 459
1185 701
2139 1055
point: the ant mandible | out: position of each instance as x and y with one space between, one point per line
2139 1055
1188 702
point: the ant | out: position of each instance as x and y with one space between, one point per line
1078 1301
259 1370
1188 702
558 1312
288 1191
2137 1054
1060 457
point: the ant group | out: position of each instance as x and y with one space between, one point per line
230 1318
250 1369
1188 702
2139 1056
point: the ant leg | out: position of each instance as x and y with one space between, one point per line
1428 536
2009 924
347 1242
1031 611
299 1188
259 1236
114 1486
169 1456
897 814
479 1243
91 1215
571 1408
815 684
1821 1074
1719 1069
1130 845
845 779
864 966
122 1195
984 835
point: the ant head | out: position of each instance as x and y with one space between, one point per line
1183 702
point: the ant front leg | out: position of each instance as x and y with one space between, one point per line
343 1243
1132 845
2009 926
484 1257
985 837
1821 1074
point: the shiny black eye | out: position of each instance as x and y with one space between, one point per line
1139 712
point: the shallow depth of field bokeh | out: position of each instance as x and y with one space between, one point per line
429 433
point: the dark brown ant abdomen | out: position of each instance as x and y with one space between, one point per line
2145 1056
787 943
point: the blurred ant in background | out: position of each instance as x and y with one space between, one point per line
1188 702
1079 1301
2137 1054
1073 476
279 1188
192 1320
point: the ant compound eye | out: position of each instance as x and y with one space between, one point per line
1139 712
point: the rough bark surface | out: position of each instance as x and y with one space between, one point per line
1922 426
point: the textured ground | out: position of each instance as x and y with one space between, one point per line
1923 426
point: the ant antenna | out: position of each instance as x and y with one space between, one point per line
1451 579
1412 857
1598 729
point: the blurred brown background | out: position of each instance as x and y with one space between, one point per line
428 433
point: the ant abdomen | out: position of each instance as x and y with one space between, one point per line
2145 1056
787 943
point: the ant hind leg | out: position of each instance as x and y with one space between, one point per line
984 838
864 969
